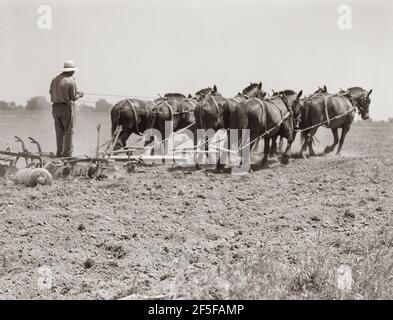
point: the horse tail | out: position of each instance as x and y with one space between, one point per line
199 113
115 117
241 115
306 121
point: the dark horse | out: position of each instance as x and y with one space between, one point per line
334 111
278 115
133 115
136 116
214 112
176 109
273 149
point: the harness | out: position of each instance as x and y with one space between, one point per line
131 104
328 119
263 110
218 109
158 107
234 99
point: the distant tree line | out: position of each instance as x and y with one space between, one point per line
40 103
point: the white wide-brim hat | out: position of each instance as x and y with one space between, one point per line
69 65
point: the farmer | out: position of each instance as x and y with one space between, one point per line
63 92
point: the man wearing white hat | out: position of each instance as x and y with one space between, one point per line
64 92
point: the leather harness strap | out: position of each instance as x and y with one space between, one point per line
263 110
170 109
326 110
135 115
236 100
218 109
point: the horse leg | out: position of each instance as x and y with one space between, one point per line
220 166
266 151
344 132
329 149
273 148
252 145
311 151
287 153
310 141
122 140
289 135
303 151
280 145
196 149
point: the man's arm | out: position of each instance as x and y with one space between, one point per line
73 92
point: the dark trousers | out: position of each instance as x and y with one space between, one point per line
64 117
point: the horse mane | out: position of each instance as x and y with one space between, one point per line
356 88
287 92
206 91
251 87
174 96
359 89
203 91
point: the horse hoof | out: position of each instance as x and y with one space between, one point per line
284 160
328 150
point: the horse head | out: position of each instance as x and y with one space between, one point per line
362 100
254 90
294 103
203 93
321 90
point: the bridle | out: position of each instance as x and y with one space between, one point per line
289 108
355 103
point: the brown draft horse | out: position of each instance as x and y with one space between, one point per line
133 116
176 109
334 111
279 115
274 150
214 112
136 116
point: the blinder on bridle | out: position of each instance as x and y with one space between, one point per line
360 106
295 118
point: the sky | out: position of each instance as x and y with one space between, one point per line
150 47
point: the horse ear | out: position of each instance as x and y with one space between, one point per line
264 94
189 95
324 88
215 88
370 92
299 94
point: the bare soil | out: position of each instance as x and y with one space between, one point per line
280 232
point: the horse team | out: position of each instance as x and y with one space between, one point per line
268 117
